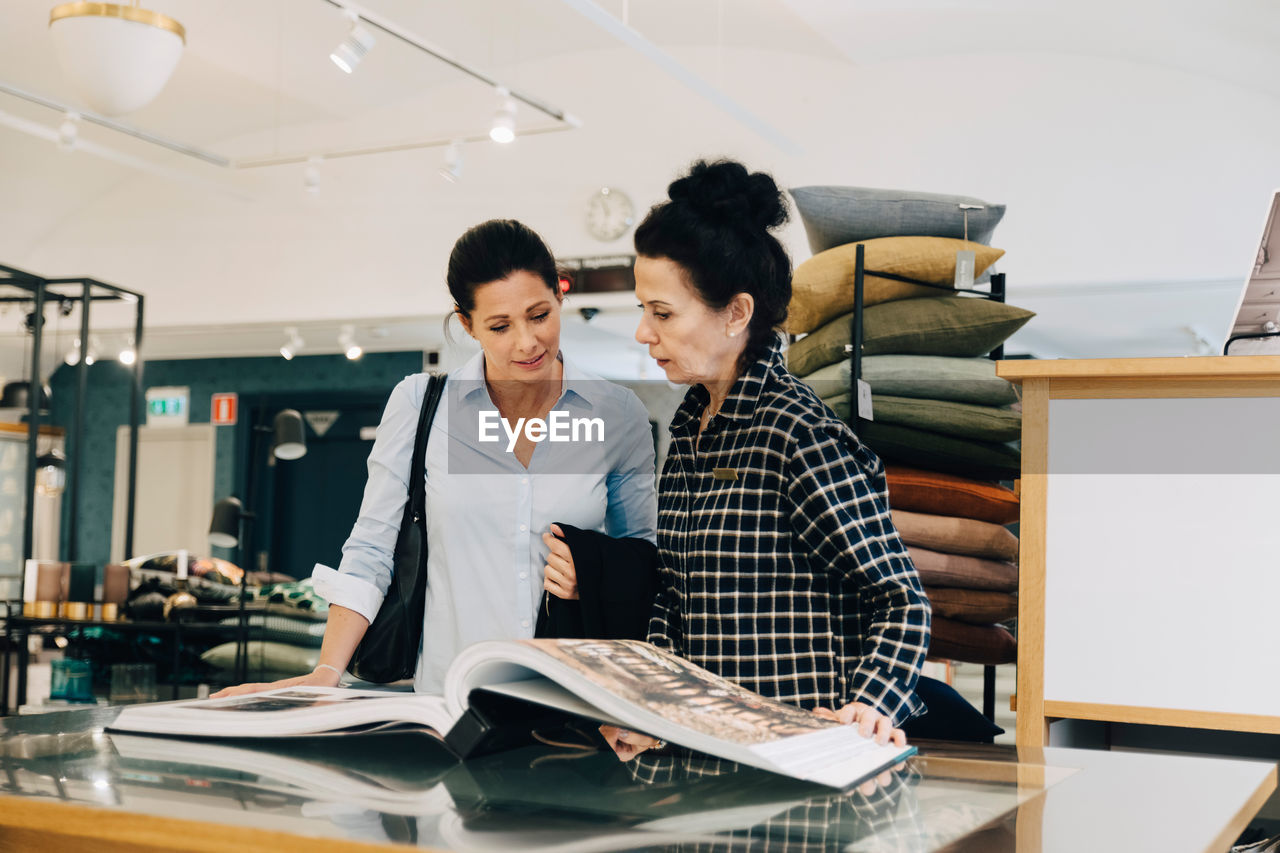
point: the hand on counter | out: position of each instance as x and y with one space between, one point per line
319 677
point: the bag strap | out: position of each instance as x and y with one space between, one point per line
417 472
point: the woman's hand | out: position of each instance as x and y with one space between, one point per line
870 722
559 577
319 677
628 744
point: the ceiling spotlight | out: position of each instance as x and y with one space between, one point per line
347 340
291 347
311 174
358 42
69 131
451 171
128 356
504 120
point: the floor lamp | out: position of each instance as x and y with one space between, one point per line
232 521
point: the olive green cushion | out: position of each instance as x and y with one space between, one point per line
962 420
928 377
984 423
932 451
937 325
954 535
822 287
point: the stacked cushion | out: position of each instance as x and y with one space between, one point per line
943 422
834 216
973 606
958 571
956 535
959 326
985 644
822 288
927 377
979 460
946 494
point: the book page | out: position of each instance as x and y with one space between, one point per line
286 711
649 690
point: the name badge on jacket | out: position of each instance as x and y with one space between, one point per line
724 474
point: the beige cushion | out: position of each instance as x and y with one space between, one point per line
954 535
822 287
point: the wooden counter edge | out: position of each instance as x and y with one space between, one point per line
1016 370
123 829
1246 813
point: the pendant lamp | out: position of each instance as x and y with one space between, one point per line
118 57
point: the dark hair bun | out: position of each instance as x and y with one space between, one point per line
726 193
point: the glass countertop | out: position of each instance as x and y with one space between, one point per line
567 796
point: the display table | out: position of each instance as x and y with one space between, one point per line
70 786
1150 490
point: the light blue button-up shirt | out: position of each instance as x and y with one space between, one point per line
486 512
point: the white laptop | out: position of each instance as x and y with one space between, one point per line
1258 313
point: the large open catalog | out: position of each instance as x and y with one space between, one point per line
504 686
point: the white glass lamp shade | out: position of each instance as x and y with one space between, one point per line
117 57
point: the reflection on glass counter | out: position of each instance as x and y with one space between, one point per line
569 795
405 788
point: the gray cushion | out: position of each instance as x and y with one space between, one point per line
930 377
833 216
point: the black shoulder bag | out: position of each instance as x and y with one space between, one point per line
389 649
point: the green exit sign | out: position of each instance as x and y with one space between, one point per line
168 406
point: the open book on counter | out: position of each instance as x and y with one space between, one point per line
497 692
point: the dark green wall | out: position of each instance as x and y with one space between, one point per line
107 408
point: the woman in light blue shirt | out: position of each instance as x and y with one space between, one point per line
494 482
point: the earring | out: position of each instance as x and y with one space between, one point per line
733 334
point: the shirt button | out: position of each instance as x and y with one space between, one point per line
524 527
524 623
524 575
524 481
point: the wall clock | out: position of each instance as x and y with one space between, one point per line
609 214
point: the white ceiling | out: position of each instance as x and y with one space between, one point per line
883 93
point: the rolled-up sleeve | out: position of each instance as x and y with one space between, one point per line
362 578
633 496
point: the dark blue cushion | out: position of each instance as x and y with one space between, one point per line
949 716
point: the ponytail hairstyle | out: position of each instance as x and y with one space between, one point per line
716 225
493 250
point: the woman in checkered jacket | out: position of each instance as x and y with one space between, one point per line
779 566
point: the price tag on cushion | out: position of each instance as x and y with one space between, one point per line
965 261
864 400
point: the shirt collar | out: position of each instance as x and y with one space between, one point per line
744 396
577 382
